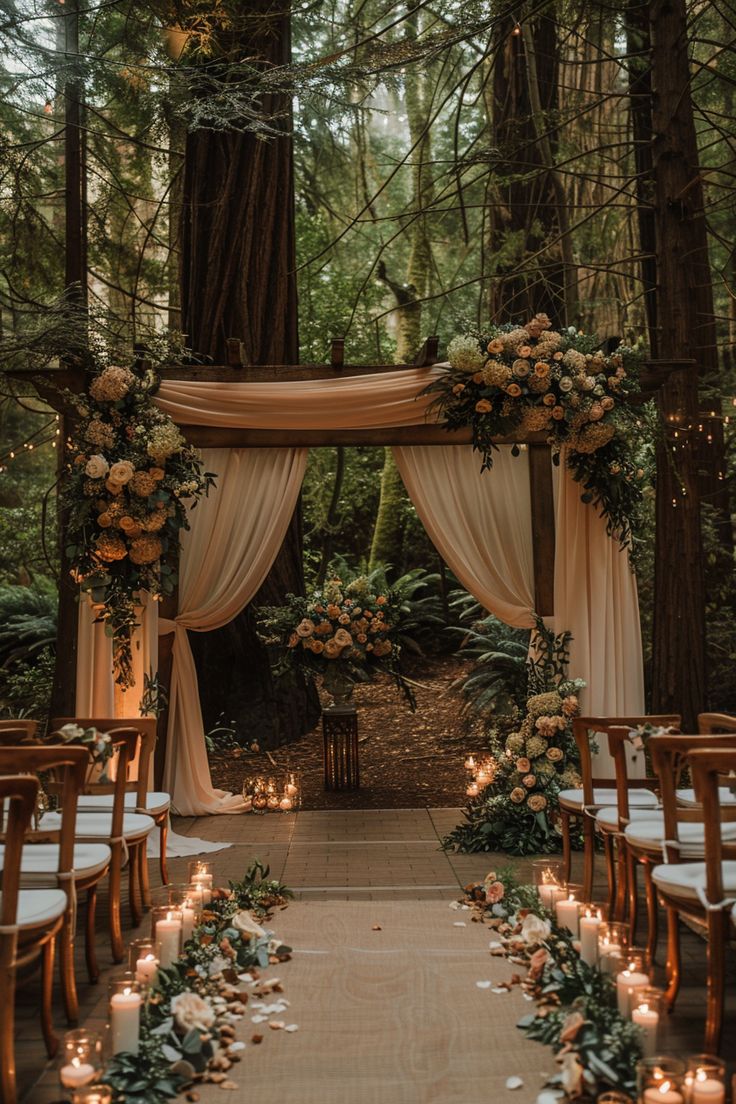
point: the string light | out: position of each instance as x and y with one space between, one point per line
35 441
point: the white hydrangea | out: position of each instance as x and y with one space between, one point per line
464 354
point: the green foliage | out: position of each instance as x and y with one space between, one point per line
27 621
497 683
25 688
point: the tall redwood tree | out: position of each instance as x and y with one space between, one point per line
238 280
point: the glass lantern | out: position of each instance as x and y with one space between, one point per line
125 1015
167 924
648 1013
613 939
95 1094
549 881
705 1079
143 962
81 1059
661 1080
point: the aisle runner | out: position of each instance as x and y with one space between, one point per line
389 1011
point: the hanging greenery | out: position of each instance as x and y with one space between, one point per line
535 380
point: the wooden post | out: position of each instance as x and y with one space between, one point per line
543 527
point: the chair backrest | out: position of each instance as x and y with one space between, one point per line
583 727
670 755
20 793
140 767
70 761
14 732
710 767
716 722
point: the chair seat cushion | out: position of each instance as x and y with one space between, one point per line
601 797
41 861
155 802
648 833
685 879
98 826
39 906
608 818
687 797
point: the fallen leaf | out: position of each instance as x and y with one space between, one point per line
256 1039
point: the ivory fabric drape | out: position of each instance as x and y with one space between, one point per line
479 523
96 692
355 402
596 599
235 535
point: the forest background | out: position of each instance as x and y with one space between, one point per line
438 166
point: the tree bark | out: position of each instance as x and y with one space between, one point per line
238 280
684 311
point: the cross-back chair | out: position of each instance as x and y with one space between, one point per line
29 921
703 892
596 793
139 799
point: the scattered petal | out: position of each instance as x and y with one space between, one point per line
291 1027
514 1083
256 1039
277 1025
459 924
377 927
483 984
500 989
235 1047
550 1096
258 1019
454 905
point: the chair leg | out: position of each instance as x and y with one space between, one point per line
114 884
632 889
674 968
143 877
652 912
163 842
47 986
566 845
136 912
7 1031
67 974
610 871
588 857
621 880
718 930
90 936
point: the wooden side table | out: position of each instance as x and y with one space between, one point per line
340 734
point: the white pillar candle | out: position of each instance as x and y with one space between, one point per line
145 969
168 938
647 1019
628 982
662 1094
707 1090
125 1021
76 1074
567 914
609 955
590 922
204 883
547 892
188 917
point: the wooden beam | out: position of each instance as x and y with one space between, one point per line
543 527
275 373
232 437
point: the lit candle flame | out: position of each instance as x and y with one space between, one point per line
665 1086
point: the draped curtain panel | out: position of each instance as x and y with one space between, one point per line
235 535
479 524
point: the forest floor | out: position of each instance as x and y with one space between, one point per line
407 760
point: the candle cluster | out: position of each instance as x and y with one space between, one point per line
699 1079
481 774
268 795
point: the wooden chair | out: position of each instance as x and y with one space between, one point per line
139 799
24 729
583 803
125 833
29 921
702 892
53 857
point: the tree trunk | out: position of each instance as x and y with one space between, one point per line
686 329
238 280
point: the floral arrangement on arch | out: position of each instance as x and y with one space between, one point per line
129 475
533 758
340 632
535 379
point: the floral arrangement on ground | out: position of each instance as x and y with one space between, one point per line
532 758
128 476
538 380
341 632
188 1023
577 1014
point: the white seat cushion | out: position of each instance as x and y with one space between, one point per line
685 879
155 802
39 906
687 797
98 826
601 797
41 861
648 832
608 818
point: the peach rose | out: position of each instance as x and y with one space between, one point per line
483 406
495 346
525 350
494 893
514 390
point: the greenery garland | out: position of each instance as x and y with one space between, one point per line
187 1006
577 1013
128 476
534 379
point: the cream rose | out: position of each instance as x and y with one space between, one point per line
305 628
243 922
343 638
122 472
534 929
191 1011
96 467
